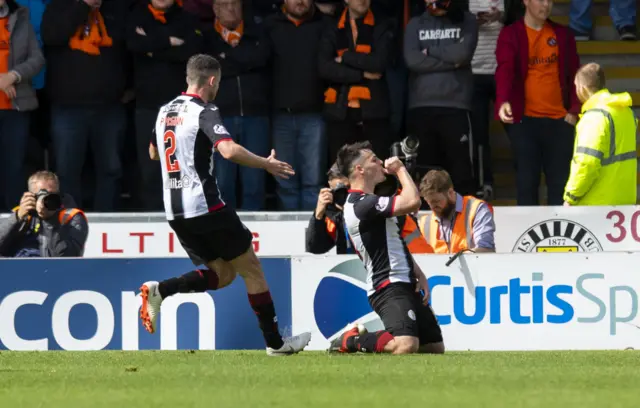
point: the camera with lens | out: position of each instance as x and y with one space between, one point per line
51 201
407 151
340 193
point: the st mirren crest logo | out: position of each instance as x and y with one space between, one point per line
557 236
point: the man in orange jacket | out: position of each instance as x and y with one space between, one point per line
456 223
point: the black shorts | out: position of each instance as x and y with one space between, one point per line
401 310
219 234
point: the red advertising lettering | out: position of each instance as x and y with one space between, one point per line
105 246
171 235
141 236
620 226
256 242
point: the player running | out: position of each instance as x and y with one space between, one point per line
397 288
188 129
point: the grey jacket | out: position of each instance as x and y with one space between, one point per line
442 77
44 238
25 58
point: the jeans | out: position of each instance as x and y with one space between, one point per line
484 93
14 136
252 132
622 12
150 188
541 144
102 127
300 140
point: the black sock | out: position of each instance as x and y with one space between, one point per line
369 342
199 280
262 305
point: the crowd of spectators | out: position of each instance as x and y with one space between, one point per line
298 76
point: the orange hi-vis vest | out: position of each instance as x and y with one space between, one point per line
413 238
462 229
64 216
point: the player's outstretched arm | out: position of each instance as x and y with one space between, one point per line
230 150
408 201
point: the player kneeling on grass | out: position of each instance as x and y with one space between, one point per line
188 129
398 290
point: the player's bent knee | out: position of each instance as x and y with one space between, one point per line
226 273
406 345
248 265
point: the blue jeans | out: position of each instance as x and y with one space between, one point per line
300 140
102 127
252 133
622 12
14 135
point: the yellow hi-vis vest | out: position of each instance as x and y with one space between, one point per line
604 164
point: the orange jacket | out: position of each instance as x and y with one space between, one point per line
462 233
411 235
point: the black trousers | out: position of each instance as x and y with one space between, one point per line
541 144
150 189
484 93
355 129
446 142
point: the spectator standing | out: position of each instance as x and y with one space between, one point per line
438 49
162 37
605 162
241 48
622 12
20 60
490 15
535 95
86 76
298 128
354 55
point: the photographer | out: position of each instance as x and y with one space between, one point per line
327 228
45 224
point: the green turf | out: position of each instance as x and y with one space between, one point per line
311 379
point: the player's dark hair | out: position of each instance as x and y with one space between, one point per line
349 154
200 68
436 181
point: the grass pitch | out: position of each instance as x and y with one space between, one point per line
313 379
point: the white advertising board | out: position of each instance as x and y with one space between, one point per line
518 229
489 301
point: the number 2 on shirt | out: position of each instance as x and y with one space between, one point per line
173 165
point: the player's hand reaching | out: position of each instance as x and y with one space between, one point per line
278 168
423 285
393 165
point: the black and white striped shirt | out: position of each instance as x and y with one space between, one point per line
377 239
187 131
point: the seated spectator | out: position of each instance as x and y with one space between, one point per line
600 175
162 37
438 49
327 227
243 99
536 97
86 76
20 60
45 224
354 55
456 223
298 129
622 12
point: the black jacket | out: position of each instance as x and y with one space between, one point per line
75 78
341 76
322 235
297 87
44 238
159 67
244 86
